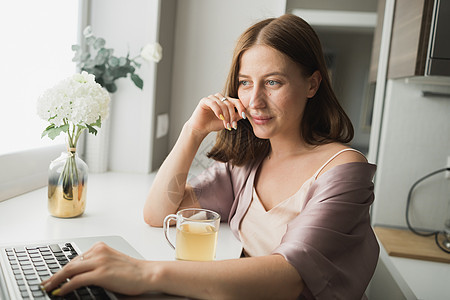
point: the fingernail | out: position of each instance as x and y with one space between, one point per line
56 292
234 125
44 285
243 115
222 117
228 126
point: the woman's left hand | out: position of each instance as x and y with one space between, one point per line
101 266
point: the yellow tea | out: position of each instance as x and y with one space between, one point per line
196 241
197 231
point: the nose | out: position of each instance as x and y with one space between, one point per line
257 98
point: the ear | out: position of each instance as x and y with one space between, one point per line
314 83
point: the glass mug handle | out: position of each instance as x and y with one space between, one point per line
167 219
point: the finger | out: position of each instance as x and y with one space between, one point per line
236 110
223 107
219 109
228 109
240 107
233 106
80 280
67 272
79 264
80 257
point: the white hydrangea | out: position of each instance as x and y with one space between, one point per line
78 100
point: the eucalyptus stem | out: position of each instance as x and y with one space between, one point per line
69 174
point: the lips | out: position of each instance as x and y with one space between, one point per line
261 120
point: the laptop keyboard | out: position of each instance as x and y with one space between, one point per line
32 265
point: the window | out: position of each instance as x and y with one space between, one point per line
36 54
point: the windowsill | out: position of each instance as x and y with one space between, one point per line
26 170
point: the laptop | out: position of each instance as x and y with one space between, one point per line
24 266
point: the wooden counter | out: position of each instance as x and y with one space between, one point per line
404 243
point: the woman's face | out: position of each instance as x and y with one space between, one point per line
274 91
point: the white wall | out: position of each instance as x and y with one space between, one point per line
415 140
128 26
205 35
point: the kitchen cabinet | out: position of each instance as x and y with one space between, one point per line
410 38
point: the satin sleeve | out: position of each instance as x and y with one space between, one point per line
213 189
331 242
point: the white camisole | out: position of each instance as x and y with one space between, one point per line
261 231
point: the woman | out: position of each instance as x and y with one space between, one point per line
281 160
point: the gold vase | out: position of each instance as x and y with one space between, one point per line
67 183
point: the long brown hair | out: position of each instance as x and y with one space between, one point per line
324 120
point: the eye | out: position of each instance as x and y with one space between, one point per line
272 82
244 82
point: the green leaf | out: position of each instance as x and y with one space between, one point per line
103 52
91 129
90 63
76 47
45 132
138 65
123 61
90 40
102 56
111 87
52 131
97 123
107 77
118 72
113 61
137 81
85 56
110 52
100 60
77 56
99 43
98 72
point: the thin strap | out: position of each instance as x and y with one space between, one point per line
333 157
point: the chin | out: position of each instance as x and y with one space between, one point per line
262 134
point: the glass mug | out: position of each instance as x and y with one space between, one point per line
197 231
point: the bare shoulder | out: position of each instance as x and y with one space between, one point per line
342 155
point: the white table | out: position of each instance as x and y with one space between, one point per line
114 206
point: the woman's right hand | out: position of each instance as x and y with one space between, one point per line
169 191
213 114
101 266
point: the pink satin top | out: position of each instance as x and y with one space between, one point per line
261 230
330 242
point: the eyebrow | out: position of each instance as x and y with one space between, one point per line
265 75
